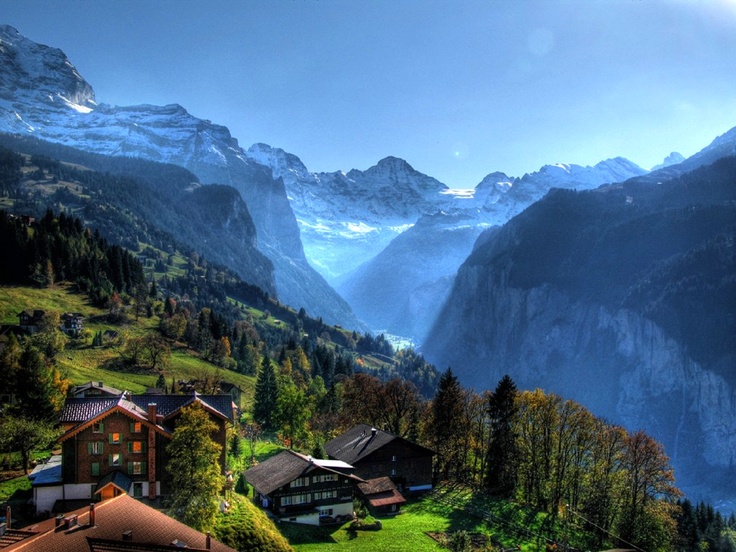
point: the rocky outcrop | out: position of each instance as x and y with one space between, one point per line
621 298
618 363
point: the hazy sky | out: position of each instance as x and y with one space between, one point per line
458 88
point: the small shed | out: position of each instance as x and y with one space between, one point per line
382 496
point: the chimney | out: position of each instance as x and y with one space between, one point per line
99 384
58 520
159 419
208 543
373 432
8 517
128 535
92 514
152 412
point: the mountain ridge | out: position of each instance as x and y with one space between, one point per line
166 134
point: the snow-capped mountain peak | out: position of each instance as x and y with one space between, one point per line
42 72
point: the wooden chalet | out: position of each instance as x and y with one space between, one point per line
301 489
381 496
377 453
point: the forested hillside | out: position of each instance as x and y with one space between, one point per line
132 201
312 381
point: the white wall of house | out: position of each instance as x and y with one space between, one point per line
306 519
44 497
78 491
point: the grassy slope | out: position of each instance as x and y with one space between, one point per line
444 511
246 527
82 363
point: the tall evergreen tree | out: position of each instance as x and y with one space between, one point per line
446 426
502 453
266 395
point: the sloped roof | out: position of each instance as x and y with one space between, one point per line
361 441
85 411
286 466
150 528
47 474
96 385
115 478
170 405
381 492
86 408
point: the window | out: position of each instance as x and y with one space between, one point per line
95 468
324 477
325 512
299 482
137 490
136 468
98 427
116 459
325 495
96 447
296 499
116 438
393 471
136 427
393 458
136 447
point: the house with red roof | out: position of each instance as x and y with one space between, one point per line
115 525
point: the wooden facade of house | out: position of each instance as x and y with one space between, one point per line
114 445
72 323
376 453
302 489
29 321
381 496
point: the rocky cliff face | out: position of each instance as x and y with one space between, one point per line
43 95
556 298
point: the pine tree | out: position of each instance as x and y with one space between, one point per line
502 454
446 425
195 470
266 395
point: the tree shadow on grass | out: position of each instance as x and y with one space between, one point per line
297 533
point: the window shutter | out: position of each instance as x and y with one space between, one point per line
89 448
109 459
130 446
143 468
102 427
109 438
102 447
130 468
143 446
95 468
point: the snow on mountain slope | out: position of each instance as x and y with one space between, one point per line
41 93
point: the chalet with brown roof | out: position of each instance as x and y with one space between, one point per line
119 524
72 323
94 389
302 489
115 445
381 496
30 320
377 453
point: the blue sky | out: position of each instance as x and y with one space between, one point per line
458 88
